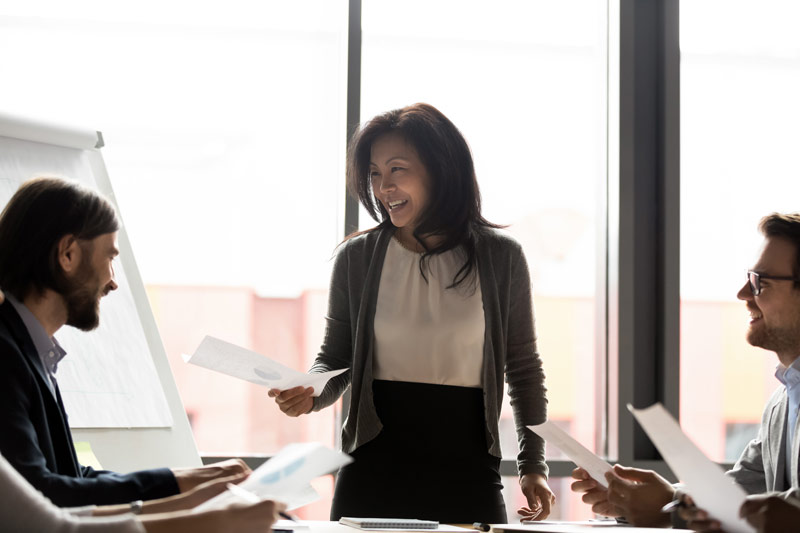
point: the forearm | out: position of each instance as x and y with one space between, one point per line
161 505
523 369
335 353
110 510
332 392
529 405
182 523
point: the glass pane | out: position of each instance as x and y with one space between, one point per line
225 139
525 83
740 78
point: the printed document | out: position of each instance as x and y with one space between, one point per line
286 477
705 480
226 358
552 434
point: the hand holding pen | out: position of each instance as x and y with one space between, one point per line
249 497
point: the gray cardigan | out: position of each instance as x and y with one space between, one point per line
509 347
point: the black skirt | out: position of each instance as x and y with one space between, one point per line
430 460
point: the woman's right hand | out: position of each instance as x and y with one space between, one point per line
294 402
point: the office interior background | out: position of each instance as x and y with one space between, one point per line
630 146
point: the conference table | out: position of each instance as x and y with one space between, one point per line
589 526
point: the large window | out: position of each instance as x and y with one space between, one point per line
224 131
525 83
740 75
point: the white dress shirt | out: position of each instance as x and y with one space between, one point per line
790 377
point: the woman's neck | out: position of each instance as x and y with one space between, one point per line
406 237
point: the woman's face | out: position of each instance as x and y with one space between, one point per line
399 180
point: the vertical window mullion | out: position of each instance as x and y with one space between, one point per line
647 218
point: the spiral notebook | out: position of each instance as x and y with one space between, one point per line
406 524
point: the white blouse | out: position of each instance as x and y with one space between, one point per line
425 333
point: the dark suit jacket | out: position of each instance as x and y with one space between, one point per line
35 437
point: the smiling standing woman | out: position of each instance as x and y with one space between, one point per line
430 310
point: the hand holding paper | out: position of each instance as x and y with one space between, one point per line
704 480
286 477
576 451
294 402
226 358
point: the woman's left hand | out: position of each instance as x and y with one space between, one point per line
540 497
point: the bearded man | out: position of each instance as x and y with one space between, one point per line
58 241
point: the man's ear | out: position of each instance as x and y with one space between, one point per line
69 253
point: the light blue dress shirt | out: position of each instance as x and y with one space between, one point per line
50 352
790 377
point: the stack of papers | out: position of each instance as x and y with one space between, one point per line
406 524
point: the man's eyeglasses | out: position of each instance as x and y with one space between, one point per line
754 279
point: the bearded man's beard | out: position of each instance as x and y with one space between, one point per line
775 339
83 299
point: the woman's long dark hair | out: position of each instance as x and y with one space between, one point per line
453 211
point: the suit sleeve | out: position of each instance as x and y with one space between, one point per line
749 468
25 430
524 372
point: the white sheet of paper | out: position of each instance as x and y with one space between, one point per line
324 526
301 498
705 481
594 522
226 358
286 477
440 527
294 525
552 434
579 527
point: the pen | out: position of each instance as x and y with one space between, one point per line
480 526
244 494
249 497
668 508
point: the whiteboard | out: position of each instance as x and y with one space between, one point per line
116 382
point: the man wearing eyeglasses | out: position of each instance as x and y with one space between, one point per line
770 462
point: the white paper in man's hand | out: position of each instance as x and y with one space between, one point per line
705 481
552 434
286 477
226 358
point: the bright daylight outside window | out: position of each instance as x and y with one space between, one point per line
525 83
224 130
740 76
